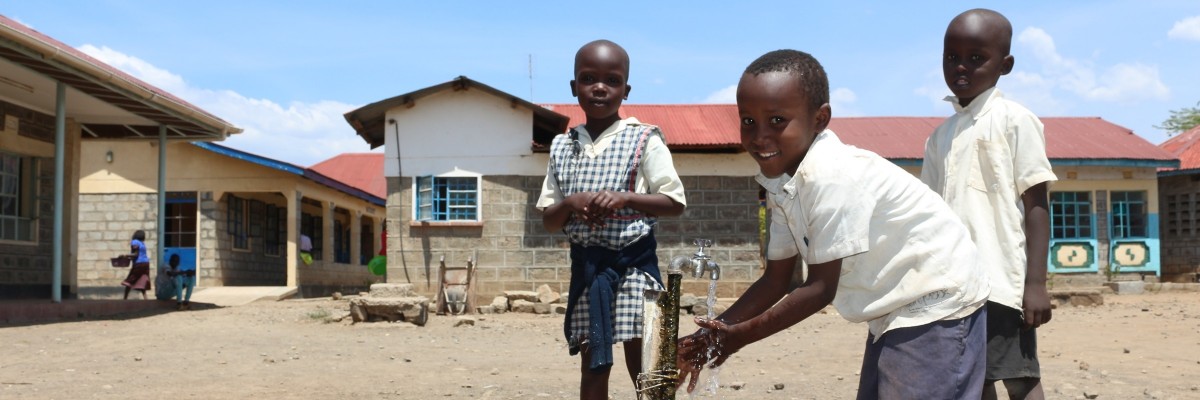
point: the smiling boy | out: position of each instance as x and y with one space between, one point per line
880 246
989 162
606 183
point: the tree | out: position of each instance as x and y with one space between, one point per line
1181 120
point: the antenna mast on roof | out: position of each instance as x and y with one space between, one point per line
531 77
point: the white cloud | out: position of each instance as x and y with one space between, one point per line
300 133
1122 82
841 101
727 95
1186 29
934 89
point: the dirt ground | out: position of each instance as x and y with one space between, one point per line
1133 347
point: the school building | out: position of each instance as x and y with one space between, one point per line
464 164
236 216
1180 197
53 101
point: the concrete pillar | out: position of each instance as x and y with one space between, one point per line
292 199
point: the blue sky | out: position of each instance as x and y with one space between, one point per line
287 71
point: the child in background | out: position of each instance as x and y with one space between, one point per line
879 245
139 275
988 161
164 281
185 277
606 182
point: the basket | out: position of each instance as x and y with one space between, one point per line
120 261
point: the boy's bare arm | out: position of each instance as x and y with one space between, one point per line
763 293
1036 298
813 295
752 317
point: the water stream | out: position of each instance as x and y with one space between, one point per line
708 387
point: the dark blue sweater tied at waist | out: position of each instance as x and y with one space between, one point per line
602 270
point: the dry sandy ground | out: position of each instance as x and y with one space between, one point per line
1133 347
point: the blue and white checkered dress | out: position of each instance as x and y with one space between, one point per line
614 169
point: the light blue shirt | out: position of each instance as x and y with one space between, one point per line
142 256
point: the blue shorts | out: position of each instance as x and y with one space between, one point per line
939 360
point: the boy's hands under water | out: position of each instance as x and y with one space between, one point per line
711 345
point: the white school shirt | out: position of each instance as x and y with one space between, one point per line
981 160
906 258
656 173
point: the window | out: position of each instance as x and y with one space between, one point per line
366 242
17 197
272 239
256 218
1070 215
447 198
310 226
236 221
341 242
181 219
1128 215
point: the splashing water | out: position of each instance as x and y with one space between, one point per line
710 385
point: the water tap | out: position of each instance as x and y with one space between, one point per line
700 263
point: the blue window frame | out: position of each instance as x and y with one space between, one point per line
1071 215
447 199
1128 215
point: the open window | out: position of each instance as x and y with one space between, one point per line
453 196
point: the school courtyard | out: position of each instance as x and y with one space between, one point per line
1131 347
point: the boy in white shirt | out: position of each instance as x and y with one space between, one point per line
879 245
988 161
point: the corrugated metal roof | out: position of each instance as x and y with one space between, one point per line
39 52
363 171
1185 146
686 126
715 127
307 173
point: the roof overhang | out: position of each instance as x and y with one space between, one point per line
105 101
369 121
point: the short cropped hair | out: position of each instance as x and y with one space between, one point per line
812 78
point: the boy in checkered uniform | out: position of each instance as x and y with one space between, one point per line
606 183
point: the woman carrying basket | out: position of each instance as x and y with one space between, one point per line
139 275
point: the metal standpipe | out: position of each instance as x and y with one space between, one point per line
660 325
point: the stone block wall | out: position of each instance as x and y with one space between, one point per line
222 265
514 252
1179 210
106 225
26 269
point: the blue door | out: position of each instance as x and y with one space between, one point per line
180 232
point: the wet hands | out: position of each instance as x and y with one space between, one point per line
710 345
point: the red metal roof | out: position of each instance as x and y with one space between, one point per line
1185 146
715 126
686 126
363 171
